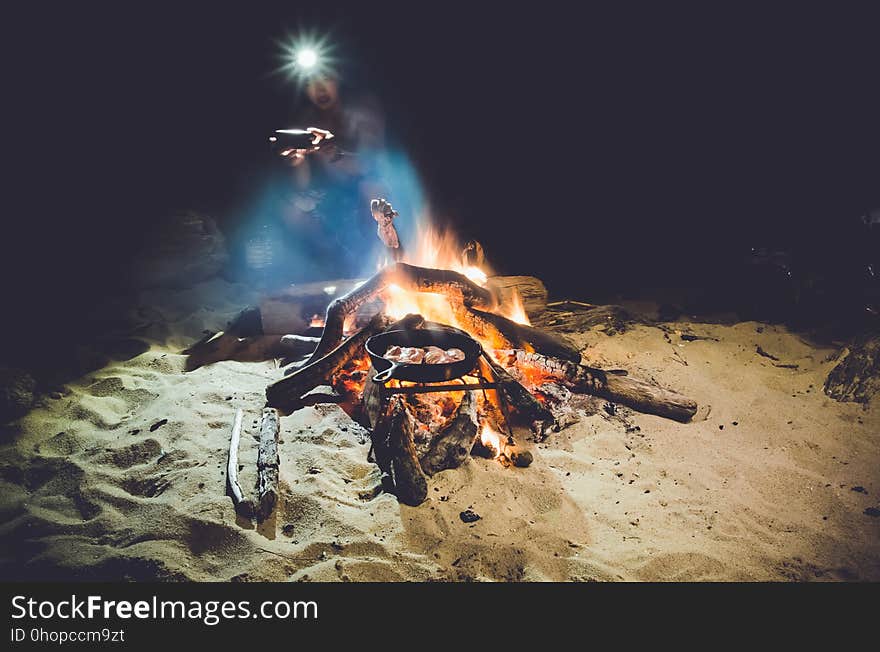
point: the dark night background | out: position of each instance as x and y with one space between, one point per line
679 139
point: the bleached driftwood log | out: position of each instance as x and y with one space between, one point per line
267 463
857 377
577 317
298 344
243 506
225 346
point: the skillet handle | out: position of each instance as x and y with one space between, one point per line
388 374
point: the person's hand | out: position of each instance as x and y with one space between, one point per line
319 135
297 156
382 209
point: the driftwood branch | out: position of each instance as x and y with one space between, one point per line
453 444
615 386
857 377
243 506
226 346
647 397
408 277
298 344
576 316
267 463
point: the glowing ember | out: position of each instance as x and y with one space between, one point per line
317 321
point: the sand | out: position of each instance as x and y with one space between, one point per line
770 481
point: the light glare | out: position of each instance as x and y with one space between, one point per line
307 55
307 58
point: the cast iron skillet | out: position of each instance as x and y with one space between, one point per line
423 373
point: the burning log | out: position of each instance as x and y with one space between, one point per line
524 337
396 453
453 444
615 386
538 416
267 463
458 287
243 506
285 394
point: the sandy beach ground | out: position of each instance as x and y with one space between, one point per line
123 476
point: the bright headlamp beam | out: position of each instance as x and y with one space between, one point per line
307 58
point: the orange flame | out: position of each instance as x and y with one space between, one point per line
514 309
442 250
492 440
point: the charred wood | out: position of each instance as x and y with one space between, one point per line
614 385
396 454
453 444
530 408
528 337
285 394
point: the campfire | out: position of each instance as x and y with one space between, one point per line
433 354
496 373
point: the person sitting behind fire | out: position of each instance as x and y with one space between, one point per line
335 181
